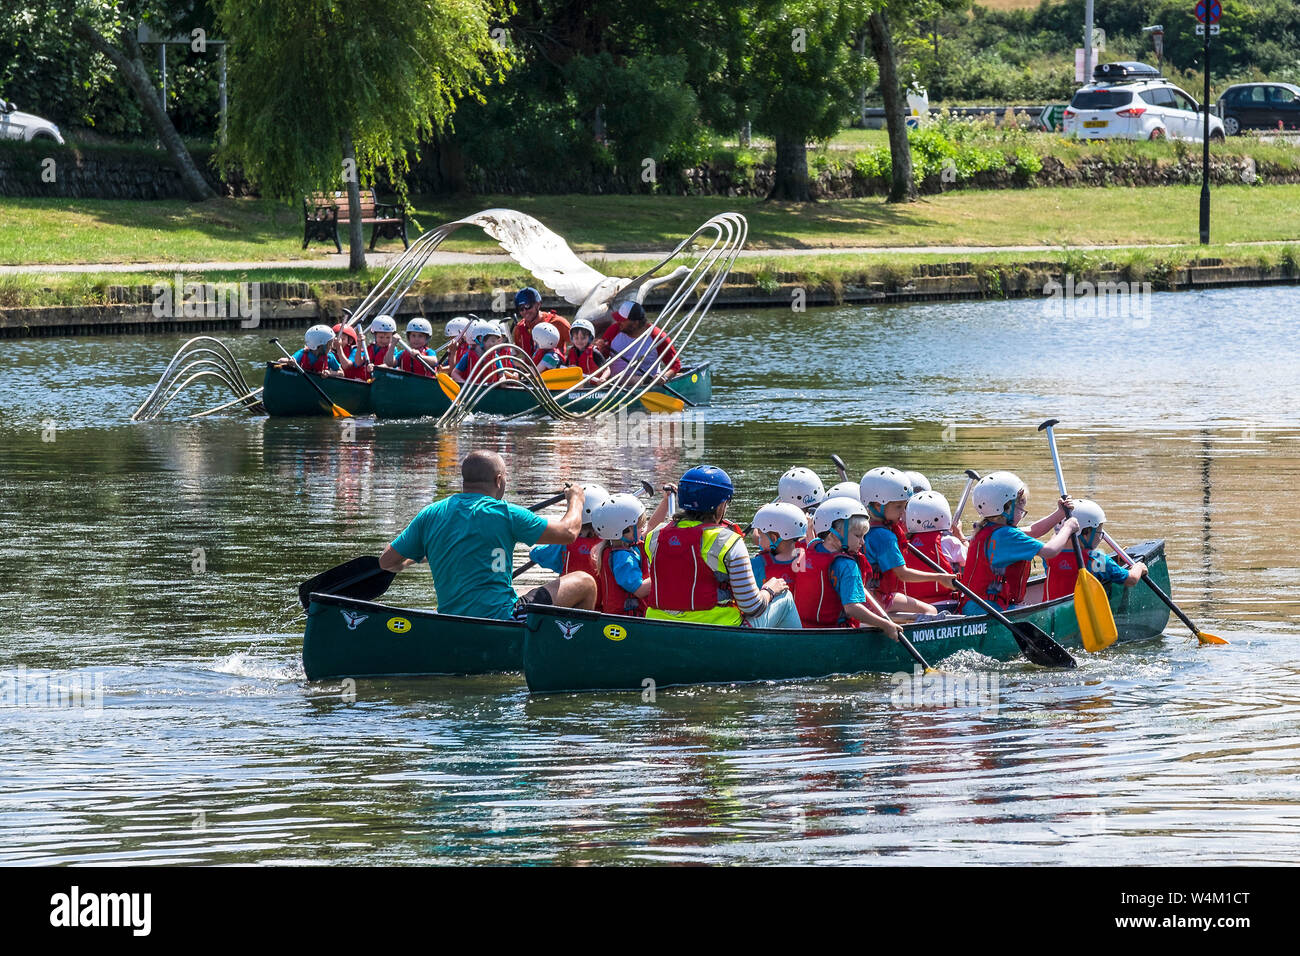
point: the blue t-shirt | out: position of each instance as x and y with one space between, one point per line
846 576
881 548
760 569
548 556
331 362
1106 569
469 541
625 563
1006 546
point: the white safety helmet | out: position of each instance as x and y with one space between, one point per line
583 324
482 327
834 509
995 492
928 511
800 487
845 489
456 326
616 514
383 323
1089 514
318 335
782 519
594 496
918 480
419 325
880 486
545 335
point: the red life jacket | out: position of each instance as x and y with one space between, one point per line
773 568
614 599
409 363
588 359
461 349
680 580
928 591
497 372
815 596
310 363
360 371
1002 589
523 335
889 583
1063 573
544 353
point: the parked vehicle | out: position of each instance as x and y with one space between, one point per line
1260 106
1132 101
25 126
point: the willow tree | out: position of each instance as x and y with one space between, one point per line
325 92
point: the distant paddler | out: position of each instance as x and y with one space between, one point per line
316 357
469 540
655 352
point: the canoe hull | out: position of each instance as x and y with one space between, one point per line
398 394
286 393
566 650
347 638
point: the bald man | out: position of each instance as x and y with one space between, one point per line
469 540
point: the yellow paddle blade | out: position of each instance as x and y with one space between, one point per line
450 387
558 379
1092 608
1205 638
659 402
340 412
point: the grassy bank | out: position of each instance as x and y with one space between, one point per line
58 231
833 272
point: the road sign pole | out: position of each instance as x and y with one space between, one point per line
1205 148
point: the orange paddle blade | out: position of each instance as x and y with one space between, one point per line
340 412
1092 608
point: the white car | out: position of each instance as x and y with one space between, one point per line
25 126
1132 101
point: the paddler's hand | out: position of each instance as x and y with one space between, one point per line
669 489
894 631
574 491
775 586
1064 505
1141 568
1071 524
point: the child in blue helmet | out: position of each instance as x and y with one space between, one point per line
699 567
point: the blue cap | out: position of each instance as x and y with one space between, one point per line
704 487
527 296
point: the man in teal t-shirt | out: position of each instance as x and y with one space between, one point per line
469 541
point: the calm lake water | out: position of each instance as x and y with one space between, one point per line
211 747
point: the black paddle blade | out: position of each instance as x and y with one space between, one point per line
361 578
1039 648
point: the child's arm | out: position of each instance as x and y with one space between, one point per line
860 612
1063 508
911 574
661 515
1061 540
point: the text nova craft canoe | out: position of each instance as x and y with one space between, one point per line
398 394
567 650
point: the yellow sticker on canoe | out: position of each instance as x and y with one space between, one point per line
399 625
615 632
695 378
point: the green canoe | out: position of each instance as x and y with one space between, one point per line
347 638
398 394
566 650
287 393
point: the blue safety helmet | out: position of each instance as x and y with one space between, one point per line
704 487
527 296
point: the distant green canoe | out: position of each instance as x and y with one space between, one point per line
566 650
287 393
562 650
398 394
347 638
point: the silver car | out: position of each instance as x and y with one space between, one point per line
25 126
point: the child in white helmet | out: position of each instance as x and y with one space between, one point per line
418 333
578 556
885 493
781 529
1000 553
583 352
1063 570
317 354
622 575
361 360
546 355
929 529
483 335
457 344
829 590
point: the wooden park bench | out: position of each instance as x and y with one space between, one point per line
323 212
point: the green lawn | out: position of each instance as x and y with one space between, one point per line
105 231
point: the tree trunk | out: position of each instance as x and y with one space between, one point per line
130 65
902 188
791 180
451 166
356 237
